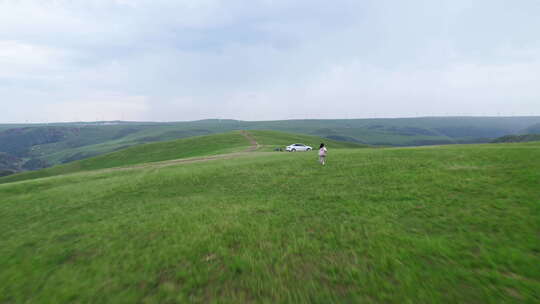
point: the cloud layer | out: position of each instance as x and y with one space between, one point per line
266 59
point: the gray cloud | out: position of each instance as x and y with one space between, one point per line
184 60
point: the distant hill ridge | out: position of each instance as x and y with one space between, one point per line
535 129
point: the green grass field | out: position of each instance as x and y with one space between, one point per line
447 224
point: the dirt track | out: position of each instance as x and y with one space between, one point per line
254 144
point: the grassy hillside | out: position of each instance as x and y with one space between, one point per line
60 143
55 144
453 224
405 131
269 140
518 138
182 148
161 151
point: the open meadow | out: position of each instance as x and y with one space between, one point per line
443 224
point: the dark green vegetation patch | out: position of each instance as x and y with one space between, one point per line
518 138
534 129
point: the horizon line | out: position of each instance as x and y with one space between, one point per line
266 120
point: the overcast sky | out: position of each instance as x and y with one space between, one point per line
165 60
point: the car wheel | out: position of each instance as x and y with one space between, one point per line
293 150
308 149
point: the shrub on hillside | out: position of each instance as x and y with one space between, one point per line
6 172
517 138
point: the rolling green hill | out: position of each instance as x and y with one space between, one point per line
275 139
52 144
405 131
153 152
179 149
447 224
517 138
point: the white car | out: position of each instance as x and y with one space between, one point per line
298 147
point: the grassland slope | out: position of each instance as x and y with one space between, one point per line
153 152
52 144
197 146
449 224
